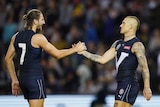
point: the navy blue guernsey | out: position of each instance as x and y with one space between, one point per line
126 61
28 57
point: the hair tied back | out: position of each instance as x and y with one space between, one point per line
25 17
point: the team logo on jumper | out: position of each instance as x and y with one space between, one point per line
121 91
127 47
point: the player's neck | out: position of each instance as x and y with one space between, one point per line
34 28
129 37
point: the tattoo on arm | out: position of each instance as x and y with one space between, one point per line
92 57
98 58
140 53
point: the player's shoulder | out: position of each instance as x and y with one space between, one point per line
138 46
39 37
14 36
115 43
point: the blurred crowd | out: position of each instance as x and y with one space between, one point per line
95 22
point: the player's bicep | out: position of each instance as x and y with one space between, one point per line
108 55
11 50
47 46
111 52
139 50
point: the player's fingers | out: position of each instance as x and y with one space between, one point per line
79 42
17 92
14 92
147 96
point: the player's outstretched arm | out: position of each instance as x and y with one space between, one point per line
107 56
40 40
139 50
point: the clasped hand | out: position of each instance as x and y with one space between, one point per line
80 46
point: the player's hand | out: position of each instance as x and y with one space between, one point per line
81 52
80 46
15 88
147 93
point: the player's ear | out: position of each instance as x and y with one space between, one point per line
131 26
35 22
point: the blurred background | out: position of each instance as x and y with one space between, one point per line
95 22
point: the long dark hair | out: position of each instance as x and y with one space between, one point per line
30 16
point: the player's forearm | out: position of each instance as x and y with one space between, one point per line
145 71
93 57
66 52
146 77
11 70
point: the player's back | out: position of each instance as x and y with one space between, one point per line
126 61
28 56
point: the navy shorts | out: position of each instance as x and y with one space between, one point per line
33 87
127 91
